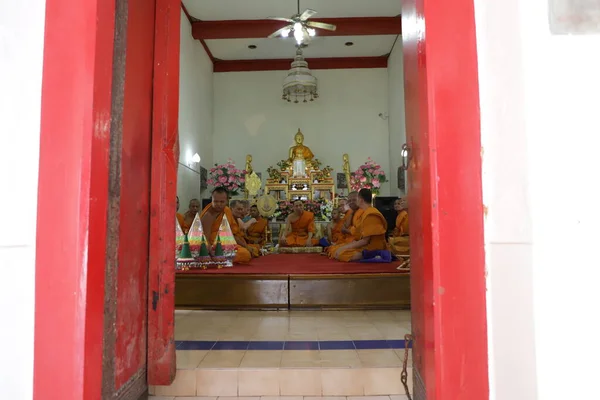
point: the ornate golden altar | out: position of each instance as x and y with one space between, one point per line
299 177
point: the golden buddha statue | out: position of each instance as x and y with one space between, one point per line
248 164
300 148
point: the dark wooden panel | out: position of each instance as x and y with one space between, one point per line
350 291
231 291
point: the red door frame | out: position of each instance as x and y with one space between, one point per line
73 187
442 119
73 199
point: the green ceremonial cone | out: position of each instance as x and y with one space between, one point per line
219 248
203 248
185 249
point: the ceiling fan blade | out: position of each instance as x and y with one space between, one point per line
291 21
278 32
308 13
321 25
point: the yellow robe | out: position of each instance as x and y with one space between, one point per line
242 255
399 241
347 238
371 224
300 229
256 232
336 231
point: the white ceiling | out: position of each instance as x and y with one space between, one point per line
276 48
213 10
320 47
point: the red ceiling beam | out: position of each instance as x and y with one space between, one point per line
313 63
241 29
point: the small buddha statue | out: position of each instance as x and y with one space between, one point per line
248 164
299 164
300 148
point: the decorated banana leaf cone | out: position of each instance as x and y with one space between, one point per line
179 239
204 258
185 261
228 244
195 235
219 247
220 259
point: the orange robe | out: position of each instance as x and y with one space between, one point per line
300 229
256 232
399 241
242 255
181 220
336 231
347 238
371 224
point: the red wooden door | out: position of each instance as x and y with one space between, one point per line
126 319
446 210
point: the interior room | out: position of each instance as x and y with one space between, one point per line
256 328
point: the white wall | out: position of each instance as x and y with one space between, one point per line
251 118
396 120
540 125
195 113
21 55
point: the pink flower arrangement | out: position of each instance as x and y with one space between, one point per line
368 176
227 176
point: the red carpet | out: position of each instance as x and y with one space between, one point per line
287 264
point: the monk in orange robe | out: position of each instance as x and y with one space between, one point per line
256 231
399 240
188 217
211 218
350 220
238 210
300 228
180 217
334 228
369 233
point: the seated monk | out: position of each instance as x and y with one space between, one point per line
211 218
299 228
334 229
351 217
256 232
188 217
238 209
369 233
399 241
180 217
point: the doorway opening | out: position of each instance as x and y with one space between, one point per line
103 164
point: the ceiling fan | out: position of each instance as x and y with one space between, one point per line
300 27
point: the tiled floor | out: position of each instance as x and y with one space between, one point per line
290 339
297 353
291 325
395 397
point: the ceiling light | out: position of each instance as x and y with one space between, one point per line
311 32
196 158
299 36
299 84
285 33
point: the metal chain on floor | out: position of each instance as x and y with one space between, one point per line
404 374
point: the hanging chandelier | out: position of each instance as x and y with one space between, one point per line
299 84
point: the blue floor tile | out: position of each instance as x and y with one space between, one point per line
233 345
397 344
195 345
300 345
266 346
337 345
371 344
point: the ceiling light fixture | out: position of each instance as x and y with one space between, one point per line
299 84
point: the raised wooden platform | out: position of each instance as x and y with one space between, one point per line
293 291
